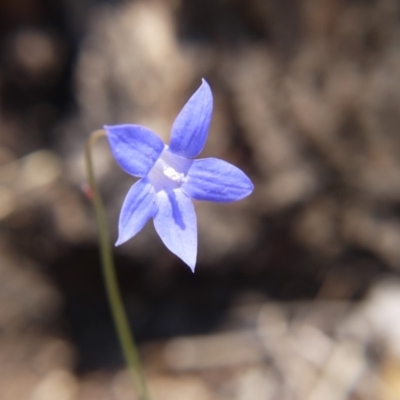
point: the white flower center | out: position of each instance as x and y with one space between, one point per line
175 176
169 172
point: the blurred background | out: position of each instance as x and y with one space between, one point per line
296 294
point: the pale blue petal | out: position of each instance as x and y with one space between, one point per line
211 179
190 129
139 206
135 148
175 222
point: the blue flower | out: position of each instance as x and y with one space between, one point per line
171 178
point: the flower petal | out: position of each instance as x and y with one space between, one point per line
139 206
211 179
175 222
135 148
190 129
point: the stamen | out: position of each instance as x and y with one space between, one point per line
164 176
177 177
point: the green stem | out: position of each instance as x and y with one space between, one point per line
125 336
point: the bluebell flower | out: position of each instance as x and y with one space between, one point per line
171 178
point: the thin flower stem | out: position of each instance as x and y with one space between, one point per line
125 336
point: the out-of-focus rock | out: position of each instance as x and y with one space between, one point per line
378 316
58 384
29 353
165 388
131 68
319 350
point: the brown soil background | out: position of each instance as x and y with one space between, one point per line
296 293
